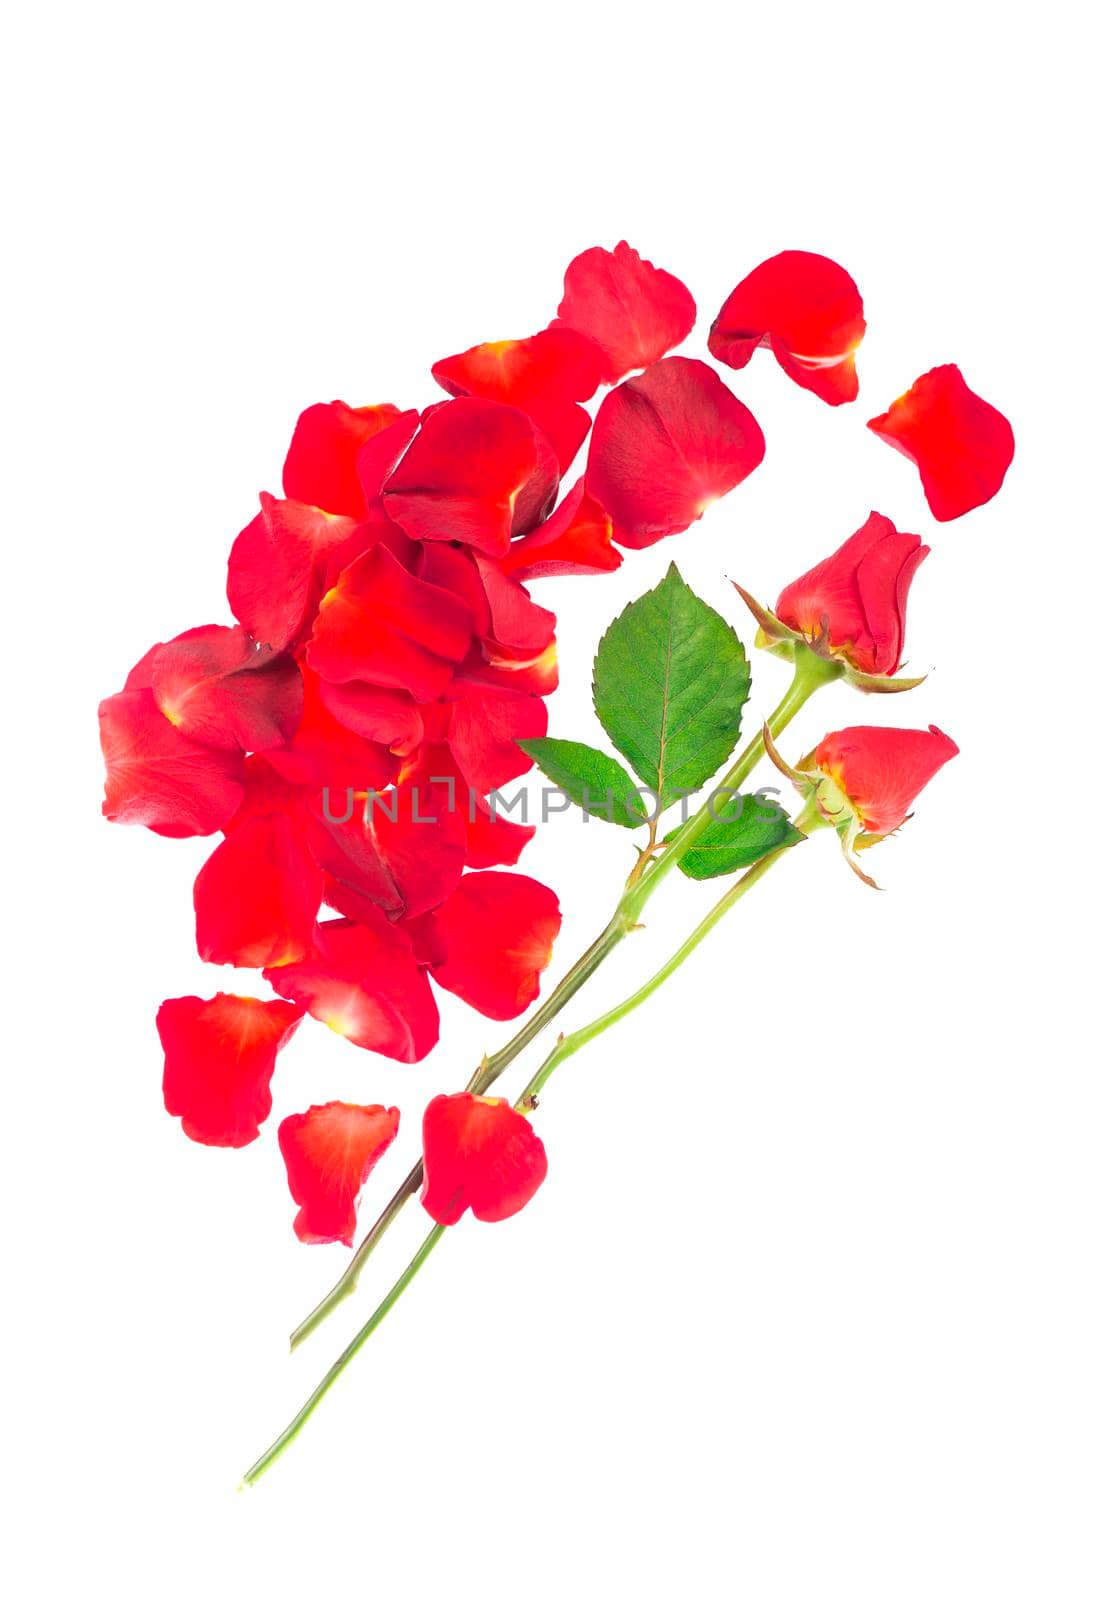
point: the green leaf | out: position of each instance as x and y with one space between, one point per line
594 781
738 837
670 683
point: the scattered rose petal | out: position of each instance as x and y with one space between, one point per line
159 778
329 1152
632 311
478 1153
490 941
461 476
960 444
665 445
219 1057
808 311
363 981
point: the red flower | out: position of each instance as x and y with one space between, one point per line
363 980
880 771
463 473
960 444
857 598
632 311
329 1152
544 376
490 941
219 1057
808 311
159 778
479 1153
257 897
667 444
576 538
340 455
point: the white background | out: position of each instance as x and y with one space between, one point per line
806 1307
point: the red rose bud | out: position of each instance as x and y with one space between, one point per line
855 601
871 776
478 1153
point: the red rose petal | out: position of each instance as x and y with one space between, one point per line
363 981
808 311
544 376
219 1057
329 1152
403 849
483 731
282 563
159 778
632 311
960 444
478 1153
217 687
667 444
491 939
257 896
325 753
577 538
385 626
385 716
461 476
321 468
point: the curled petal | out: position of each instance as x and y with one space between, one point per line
159 778
576 538
544 376
363 981
960 444
216 686
257 896
667 444
329 1152
808 311
632 311
478 1153
385 626
219 1057
321 468
490 941
856 598
463 473
882 770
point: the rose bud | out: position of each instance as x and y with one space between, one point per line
851 607
864 780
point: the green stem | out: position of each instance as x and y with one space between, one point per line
568 1045
811 672
288 1434
484 1076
